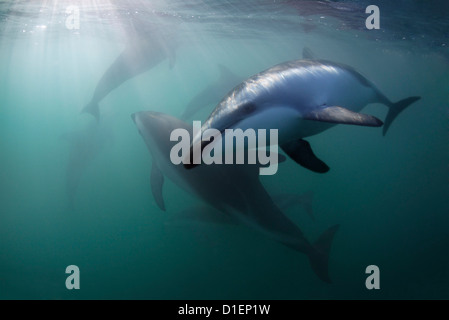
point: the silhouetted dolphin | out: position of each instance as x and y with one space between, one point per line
139 56
301 98
213 92
234 190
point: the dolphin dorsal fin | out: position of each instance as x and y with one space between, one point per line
308 54
225 73
157 181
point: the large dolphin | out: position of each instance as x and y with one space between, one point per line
301 98
233 190
213 92
139 56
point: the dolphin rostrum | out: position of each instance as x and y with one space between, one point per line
139 56
300 98
234 190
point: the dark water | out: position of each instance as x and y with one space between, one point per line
67 203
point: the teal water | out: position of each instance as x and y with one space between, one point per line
389 194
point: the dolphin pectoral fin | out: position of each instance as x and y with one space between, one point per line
341 115
157 181
308 54
301 152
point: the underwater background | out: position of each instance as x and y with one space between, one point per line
66 203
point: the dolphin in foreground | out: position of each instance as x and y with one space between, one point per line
213 92
300 98
139 56
234 190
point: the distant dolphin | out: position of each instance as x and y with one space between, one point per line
233 190
213 92
139 56
301 98
85 144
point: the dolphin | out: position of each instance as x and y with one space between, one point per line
213 92
234 190
300 98
85 143
139 56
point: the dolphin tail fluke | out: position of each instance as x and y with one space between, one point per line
92 108
319 258
395 110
